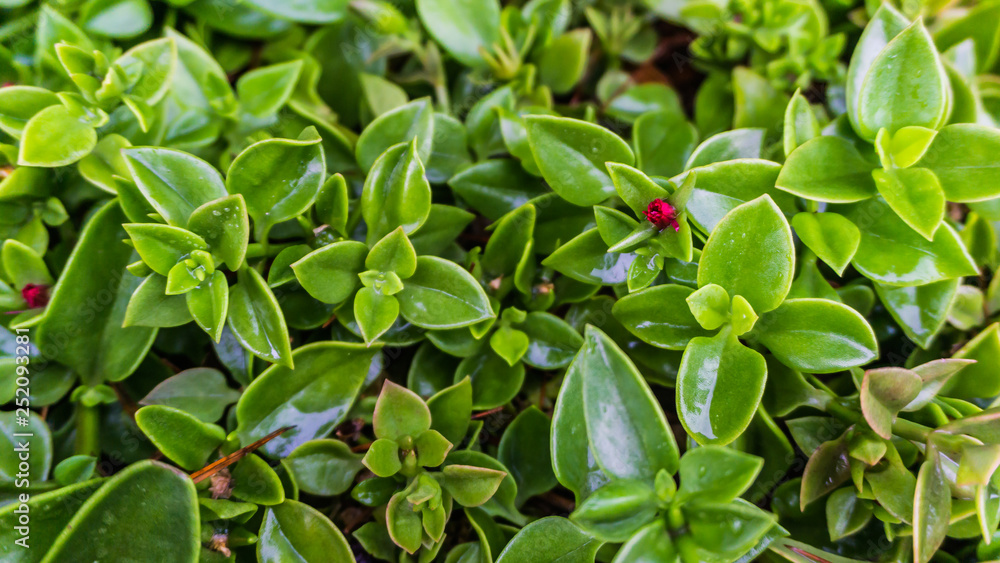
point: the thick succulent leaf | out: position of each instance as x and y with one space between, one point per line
293 531
571 155
313 398
550 540
817 335
105 526
750 254
87 334
720 382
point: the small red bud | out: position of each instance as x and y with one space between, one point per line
662 214
35 295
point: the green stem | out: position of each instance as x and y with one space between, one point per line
88 428
259 250
903 428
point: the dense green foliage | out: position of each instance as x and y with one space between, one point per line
629 281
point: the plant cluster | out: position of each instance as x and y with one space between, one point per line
460 281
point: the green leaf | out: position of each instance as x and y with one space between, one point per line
931 510
571 155
23 265
625 426
374 312
84 326
396 192
411 122
615 511
200 392
75 469
330 273
181 437
524 450
643 98
552 342
903 148
716 474
278 178
512 233
293 531
241 20
635 188
892 253
730 145
332 203
58 506
148 69
846 514
256 319
209 304
884 392
828 468
830 236
732 256
586 258
934 375
263 91
462 27
550 540
224 225
451 409
757 103
563 62
962 158
104 162
710 306
399 412
573 460
39 444
817 336
651 543
496 187
55 137
394 253
470 486
175 183
19 104
828 169
721 187
510 344
658 153
404 523
885 24
306 11
121 19
105 526
382 458
312 397
161 247
719 384
254 481
919 310
727 530
800 124
323 467
909 63
495 382
915 195
441 295
977 380
150 306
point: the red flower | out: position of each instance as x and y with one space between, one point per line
36 295
662 214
